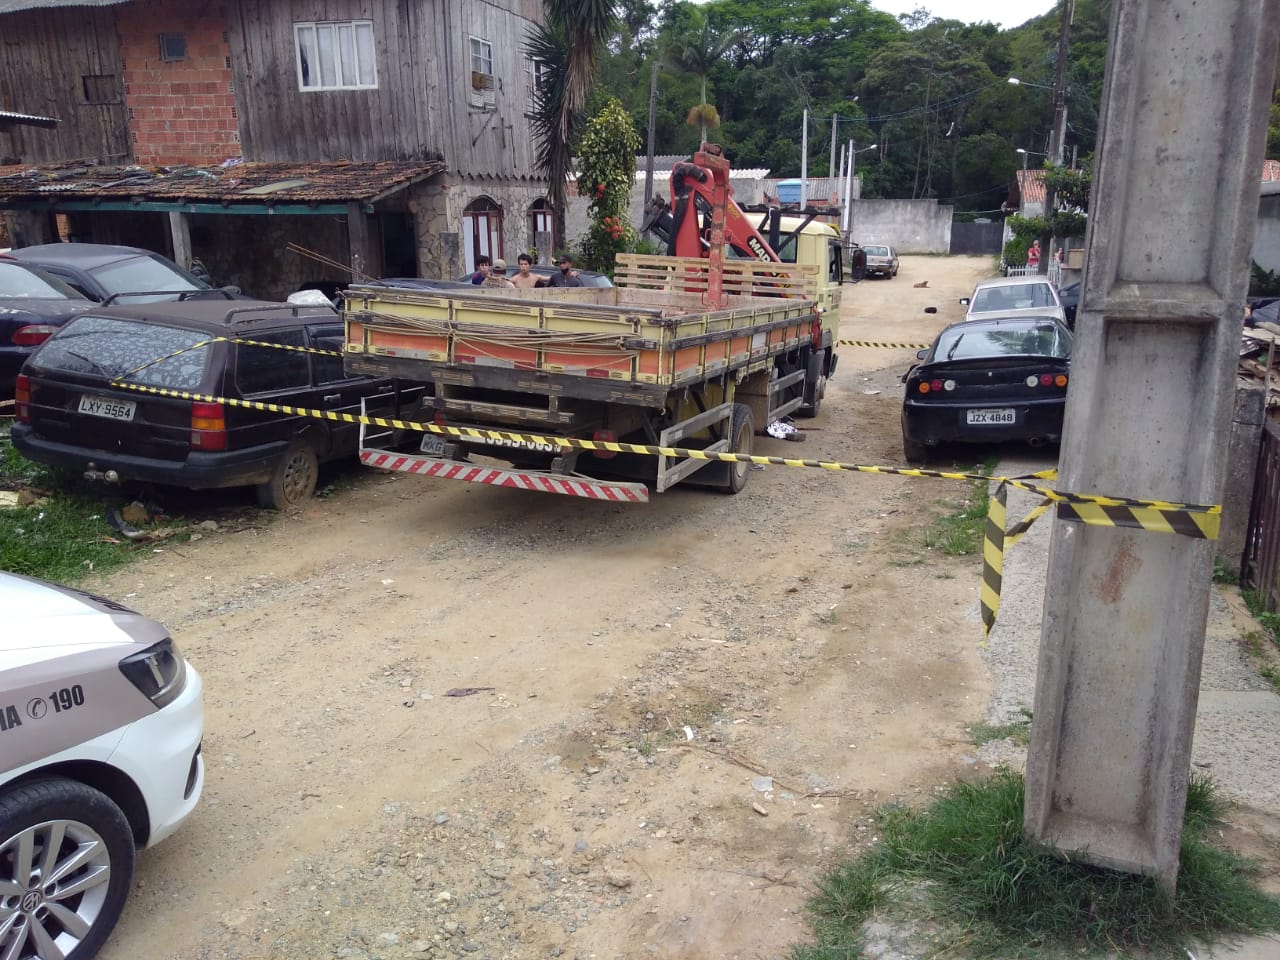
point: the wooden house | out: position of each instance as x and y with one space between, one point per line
389 134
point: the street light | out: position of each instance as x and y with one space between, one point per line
1024 153
1027 83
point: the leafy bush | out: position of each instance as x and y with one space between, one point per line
606 174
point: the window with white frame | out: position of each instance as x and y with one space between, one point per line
535 74
481 88
336 55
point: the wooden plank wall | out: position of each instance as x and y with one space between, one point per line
421 105
43 55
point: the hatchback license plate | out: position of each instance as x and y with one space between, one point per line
106 407
983 417
432 444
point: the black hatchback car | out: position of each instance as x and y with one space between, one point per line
73 409
987 381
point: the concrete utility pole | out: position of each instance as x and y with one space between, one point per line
653 122
804 159
835 141
1174 208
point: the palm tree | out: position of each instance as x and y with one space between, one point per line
568 45
697 51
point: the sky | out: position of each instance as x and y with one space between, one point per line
1007 13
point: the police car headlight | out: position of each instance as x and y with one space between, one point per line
159 672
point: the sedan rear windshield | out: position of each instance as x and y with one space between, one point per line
141 274
23 283
972 341
1016 296
145 353
876 251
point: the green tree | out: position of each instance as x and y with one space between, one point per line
697 49
568 44
606 174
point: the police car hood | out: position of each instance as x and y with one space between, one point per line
42 621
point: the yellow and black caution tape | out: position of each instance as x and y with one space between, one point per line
1159 516
884 344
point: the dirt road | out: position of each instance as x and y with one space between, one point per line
674 715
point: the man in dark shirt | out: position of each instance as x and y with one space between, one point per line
482 270
567 277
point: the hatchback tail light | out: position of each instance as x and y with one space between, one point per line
208 427
33 334
22 398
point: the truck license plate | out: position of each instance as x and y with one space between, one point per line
106 407
432 444
983 417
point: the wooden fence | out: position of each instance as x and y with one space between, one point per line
1260 568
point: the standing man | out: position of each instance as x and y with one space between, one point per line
567 277
523 277
497 275
482 270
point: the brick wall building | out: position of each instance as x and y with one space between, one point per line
178 85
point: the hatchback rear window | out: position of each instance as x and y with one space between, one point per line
147 353
23 283
876 251
973 340
1017 296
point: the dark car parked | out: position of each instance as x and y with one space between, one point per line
1070 297
73 411
985 381
100 271
33 304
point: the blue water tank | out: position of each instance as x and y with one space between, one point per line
788 191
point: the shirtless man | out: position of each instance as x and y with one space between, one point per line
524 278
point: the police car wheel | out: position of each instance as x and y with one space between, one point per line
66 863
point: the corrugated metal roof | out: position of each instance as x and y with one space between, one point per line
266 183
13 6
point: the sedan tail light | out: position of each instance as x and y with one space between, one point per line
22 398
33 334
208 426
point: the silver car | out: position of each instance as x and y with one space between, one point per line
100 726
882 259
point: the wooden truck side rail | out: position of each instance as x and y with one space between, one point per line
569 345
749 278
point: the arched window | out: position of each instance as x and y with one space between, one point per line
481 231
541 219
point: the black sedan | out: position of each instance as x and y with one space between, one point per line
100 271
985 381
33 304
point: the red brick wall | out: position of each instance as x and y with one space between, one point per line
179 111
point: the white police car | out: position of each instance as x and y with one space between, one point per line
100 727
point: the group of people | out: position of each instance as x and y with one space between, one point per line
493 273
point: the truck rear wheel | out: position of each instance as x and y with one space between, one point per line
742 431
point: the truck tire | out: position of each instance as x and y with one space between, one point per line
743 432
815 386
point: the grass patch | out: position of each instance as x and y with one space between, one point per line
960 533
963 869
62 536
1262 646
1019 731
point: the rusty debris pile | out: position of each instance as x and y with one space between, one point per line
1260 349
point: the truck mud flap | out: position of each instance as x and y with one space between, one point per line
539 481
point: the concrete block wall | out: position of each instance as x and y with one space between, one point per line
912 226
179 111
